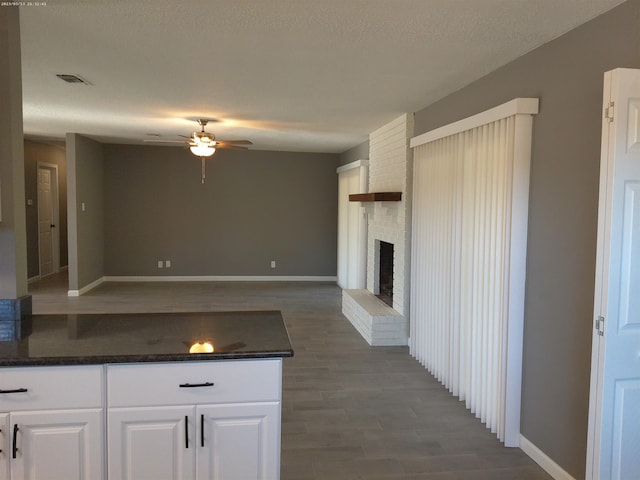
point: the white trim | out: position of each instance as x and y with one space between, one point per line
514 107
86 288
352 165
541 458
35 278
219 278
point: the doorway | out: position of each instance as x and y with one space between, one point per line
48 219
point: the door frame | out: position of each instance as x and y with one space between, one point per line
55 202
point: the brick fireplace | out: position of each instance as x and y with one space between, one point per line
388 222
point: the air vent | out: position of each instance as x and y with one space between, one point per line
70 78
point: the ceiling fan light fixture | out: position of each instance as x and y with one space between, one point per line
202 150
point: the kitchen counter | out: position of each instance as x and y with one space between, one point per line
84 339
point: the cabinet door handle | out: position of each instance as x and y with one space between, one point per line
186 431
15 390
15 440
202 430
196 385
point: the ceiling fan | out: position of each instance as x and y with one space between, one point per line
204 144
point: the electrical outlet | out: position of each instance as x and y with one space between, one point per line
160 265
167 263
273 264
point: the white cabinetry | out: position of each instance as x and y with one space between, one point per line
203 420
241 441
149 443
52 423
4 446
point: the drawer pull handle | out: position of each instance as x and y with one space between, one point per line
15 440
186 431
196 385
202 430
17 390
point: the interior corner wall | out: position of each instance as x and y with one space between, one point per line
255 207
35 152
567 75
359 152
85 210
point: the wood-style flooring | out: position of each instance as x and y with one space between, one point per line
350 411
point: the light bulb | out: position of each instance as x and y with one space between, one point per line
202 150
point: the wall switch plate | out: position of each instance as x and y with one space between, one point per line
273 264
160 264
167 263
30 202
83 206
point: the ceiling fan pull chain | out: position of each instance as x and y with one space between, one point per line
203 159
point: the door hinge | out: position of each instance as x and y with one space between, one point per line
609 112
600 325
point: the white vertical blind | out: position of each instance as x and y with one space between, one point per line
465 266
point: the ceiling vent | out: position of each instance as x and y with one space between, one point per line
70 78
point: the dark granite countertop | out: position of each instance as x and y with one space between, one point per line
83 339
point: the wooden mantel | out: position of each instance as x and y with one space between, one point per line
376 197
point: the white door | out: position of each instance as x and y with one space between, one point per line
238 441
4 446
56 445
47 219
614 410
151 443
352 226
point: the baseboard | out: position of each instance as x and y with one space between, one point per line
548 465
219 278
86 288
33 279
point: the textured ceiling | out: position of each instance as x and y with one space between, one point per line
301 75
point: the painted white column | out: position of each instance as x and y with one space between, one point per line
13 234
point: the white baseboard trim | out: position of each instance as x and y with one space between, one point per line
219 278
33 279
541 458
86 288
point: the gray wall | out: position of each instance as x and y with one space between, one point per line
35 152
567 76
13 255
85 228
255 206
359 152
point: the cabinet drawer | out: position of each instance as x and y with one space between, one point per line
51 387
139 384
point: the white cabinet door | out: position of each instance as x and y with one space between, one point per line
56 445
238 441
4 446
151 443
614 411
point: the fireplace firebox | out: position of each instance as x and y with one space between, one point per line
386 273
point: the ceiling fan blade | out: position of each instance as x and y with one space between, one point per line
236 142
164 141
226 146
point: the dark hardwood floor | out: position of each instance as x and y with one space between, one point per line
350 411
